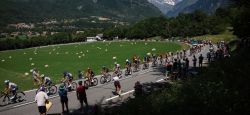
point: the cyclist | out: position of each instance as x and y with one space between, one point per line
80 74
146 61
154 57
117 70
128 66
105 70
134 59
90 74
46 80
35 74
11 87
68 77
161 59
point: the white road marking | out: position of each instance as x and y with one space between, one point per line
23 104
31 102
121 95
30 90
159 80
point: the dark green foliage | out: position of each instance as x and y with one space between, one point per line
184 25
241 23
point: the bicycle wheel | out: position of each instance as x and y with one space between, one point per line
73 85
20 96
95 81
52 89
102 80
108 78
4 100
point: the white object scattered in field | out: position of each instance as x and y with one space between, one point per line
146 43
46 65
30 59
135 42
99 48
24 53
106 50
32 64
114 57
148 53
57 53
153 49
3 60
31 70
35 53
54 49
87 50
26 73
77 53
132 43
66 52
83 54
49 52
10 57
79 56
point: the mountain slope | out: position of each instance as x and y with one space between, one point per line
33 10
186 6
164 5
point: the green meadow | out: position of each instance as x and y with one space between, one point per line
15 65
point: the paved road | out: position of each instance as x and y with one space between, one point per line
101 94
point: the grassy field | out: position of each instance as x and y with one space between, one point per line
72 57
226 36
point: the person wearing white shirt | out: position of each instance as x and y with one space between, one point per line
117 85
41 98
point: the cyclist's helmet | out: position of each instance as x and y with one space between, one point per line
65 73
42 76
118 65
6 82
42 88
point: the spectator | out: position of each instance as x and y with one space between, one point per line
194 61
41 98
200 60
117 85
63 97
187 63
209 57
175 65
81 95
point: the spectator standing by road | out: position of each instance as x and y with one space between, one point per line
200 60
81 95
41 98
187 63
209 57
63 97
194 61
